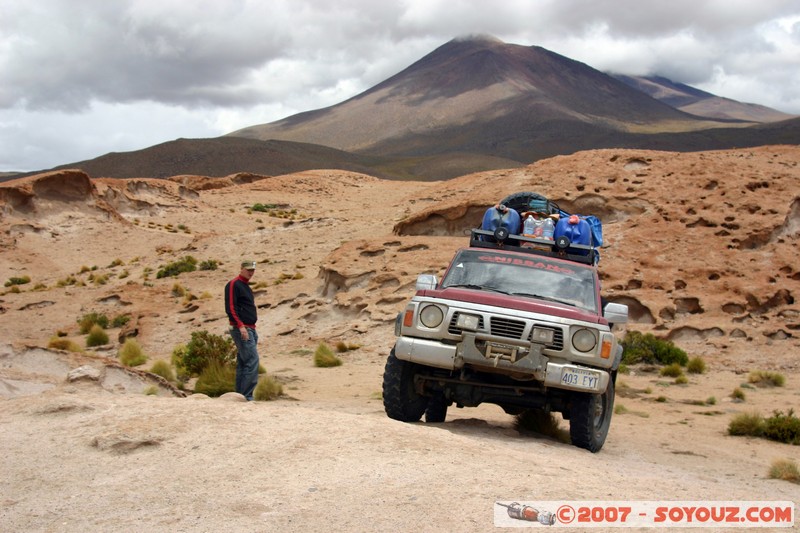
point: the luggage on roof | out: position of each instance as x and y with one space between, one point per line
584 234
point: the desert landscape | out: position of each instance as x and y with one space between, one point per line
701 246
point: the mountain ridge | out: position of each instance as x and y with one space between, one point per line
470 105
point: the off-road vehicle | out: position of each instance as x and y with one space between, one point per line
515 321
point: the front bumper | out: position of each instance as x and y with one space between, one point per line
501 357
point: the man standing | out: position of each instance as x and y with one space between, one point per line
241 309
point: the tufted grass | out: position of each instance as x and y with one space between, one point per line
324 357
163 369
764 378
130 354
97 336
784 469
62 343
267 389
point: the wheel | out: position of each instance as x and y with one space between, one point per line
521 201
437 409
401 401
590 418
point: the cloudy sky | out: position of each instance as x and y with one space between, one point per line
81 78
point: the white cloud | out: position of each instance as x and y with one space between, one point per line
171 68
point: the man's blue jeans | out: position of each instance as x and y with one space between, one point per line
246 362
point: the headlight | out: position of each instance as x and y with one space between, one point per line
584 340
431 316
468 322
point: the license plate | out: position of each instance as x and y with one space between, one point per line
580 378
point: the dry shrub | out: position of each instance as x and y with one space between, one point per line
672 371
343 347
90 319
764 378
324 357
97 336
216 379
163 369
747 424
131 353
785 469
696 365
61 343
267 389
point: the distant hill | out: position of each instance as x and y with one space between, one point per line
701 103
218 156
470 105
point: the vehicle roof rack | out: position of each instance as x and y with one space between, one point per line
562 248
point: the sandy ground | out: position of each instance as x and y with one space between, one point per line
100 455
79 457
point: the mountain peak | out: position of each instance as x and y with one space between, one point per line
478 38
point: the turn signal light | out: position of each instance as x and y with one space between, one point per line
408 319
605 351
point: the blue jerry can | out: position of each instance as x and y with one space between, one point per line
577 230
496 218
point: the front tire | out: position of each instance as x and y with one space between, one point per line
590 418
401 401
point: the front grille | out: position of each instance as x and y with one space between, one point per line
504 327
510 329
452 329
558 337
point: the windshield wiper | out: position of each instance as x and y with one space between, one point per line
541 297
476 287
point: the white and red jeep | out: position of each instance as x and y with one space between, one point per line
515 321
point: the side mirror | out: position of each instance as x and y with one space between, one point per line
616 313
426 282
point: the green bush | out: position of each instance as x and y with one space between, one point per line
187 264
120 320
209 264
763 378
267 389
263 208
131 353
90 319
177 357
163 369
696 365
647 348
783 427
97 336
152 390
737 395
747 424
203 349
18 281
324 357
216 379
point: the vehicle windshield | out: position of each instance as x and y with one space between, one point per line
534 277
